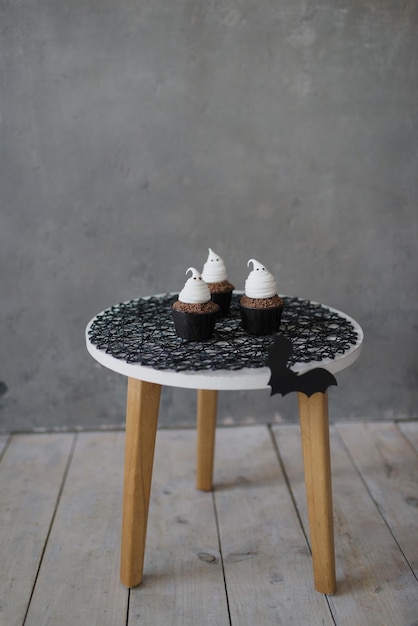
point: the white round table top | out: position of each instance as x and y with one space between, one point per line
245 378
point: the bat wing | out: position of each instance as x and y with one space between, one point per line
284 381
315 381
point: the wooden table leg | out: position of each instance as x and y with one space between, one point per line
313 413
141 427
207 403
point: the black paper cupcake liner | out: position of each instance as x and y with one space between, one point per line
223 300
194 326
260 321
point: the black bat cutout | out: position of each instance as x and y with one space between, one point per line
284 381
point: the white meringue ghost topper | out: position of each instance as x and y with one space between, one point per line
214 270
195 290
260 282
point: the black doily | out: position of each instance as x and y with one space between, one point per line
142 331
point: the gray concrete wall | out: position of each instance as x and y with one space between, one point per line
136 134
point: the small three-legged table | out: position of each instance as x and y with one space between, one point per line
137 339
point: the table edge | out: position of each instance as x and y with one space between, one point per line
228 380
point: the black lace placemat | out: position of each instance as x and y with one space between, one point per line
142 331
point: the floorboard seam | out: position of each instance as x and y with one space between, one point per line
64 480
289 487
221 556
376 504
6 445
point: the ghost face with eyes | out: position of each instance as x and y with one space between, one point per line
214 270
195 291
260 282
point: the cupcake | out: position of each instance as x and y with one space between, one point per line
214 274
261 306
194 313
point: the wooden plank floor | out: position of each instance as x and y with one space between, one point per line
239 555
